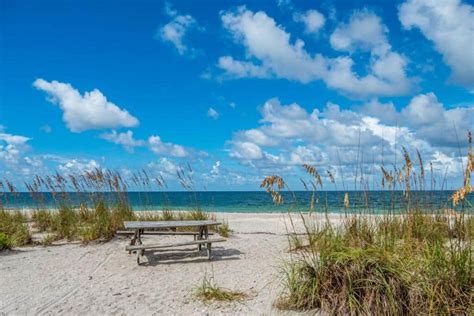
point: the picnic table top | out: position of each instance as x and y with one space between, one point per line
168 224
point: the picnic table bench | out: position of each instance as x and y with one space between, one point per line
201 237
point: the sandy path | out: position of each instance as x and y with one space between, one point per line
104 279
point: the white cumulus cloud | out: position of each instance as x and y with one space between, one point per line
153 143
289 135
158 147
365 30
242 69
271 45
13 139
270 52
313 20
246 151
175 31
12 147
85 112
78 166
125 139
449 24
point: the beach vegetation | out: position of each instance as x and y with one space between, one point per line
90 206
414 261
64 222
224 229
167 215
5 242
198 215
208 291
48 240
42 219
14 227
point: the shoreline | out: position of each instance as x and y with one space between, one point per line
468 211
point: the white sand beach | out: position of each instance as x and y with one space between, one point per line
104 279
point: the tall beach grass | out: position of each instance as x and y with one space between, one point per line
411 262
102 208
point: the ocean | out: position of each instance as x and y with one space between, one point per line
248 202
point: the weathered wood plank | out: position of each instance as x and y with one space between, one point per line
158 246
167 224
131 232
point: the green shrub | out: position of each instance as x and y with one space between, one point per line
103 222
348 281
65 222
86 215
42 220
5 242
88 234
393 266
100 226
13 224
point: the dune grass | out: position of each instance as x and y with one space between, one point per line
14 229
383 266
224 230
48 240
208 291
103 207
101 222
5 242
414 262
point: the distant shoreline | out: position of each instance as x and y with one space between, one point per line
250 202
468 212
237 191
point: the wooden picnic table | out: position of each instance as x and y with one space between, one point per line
168 224
201 237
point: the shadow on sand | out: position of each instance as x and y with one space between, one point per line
189 255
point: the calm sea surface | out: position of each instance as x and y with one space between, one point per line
251 202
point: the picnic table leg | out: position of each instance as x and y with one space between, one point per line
208 245
133 240
209 251
140 253
140 231
201 233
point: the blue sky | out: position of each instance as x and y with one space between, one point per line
237 89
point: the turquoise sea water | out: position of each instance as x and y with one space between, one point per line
249 202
